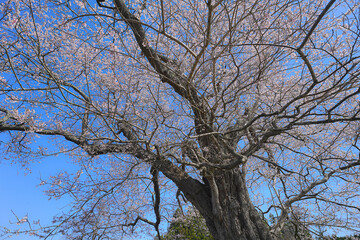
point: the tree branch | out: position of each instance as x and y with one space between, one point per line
155 179
322 14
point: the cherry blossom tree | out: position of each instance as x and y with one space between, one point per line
243 109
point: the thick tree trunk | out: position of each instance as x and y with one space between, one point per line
236 218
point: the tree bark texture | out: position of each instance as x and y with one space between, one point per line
236 217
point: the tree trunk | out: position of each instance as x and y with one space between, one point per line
236 218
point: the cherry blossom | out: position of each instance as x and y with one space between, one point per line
246 110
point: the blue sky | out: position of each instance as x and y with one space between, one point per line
20 192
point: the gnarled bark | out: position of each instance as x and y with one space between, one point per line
236 217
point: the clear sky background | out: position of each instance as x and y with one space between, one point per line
20 192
